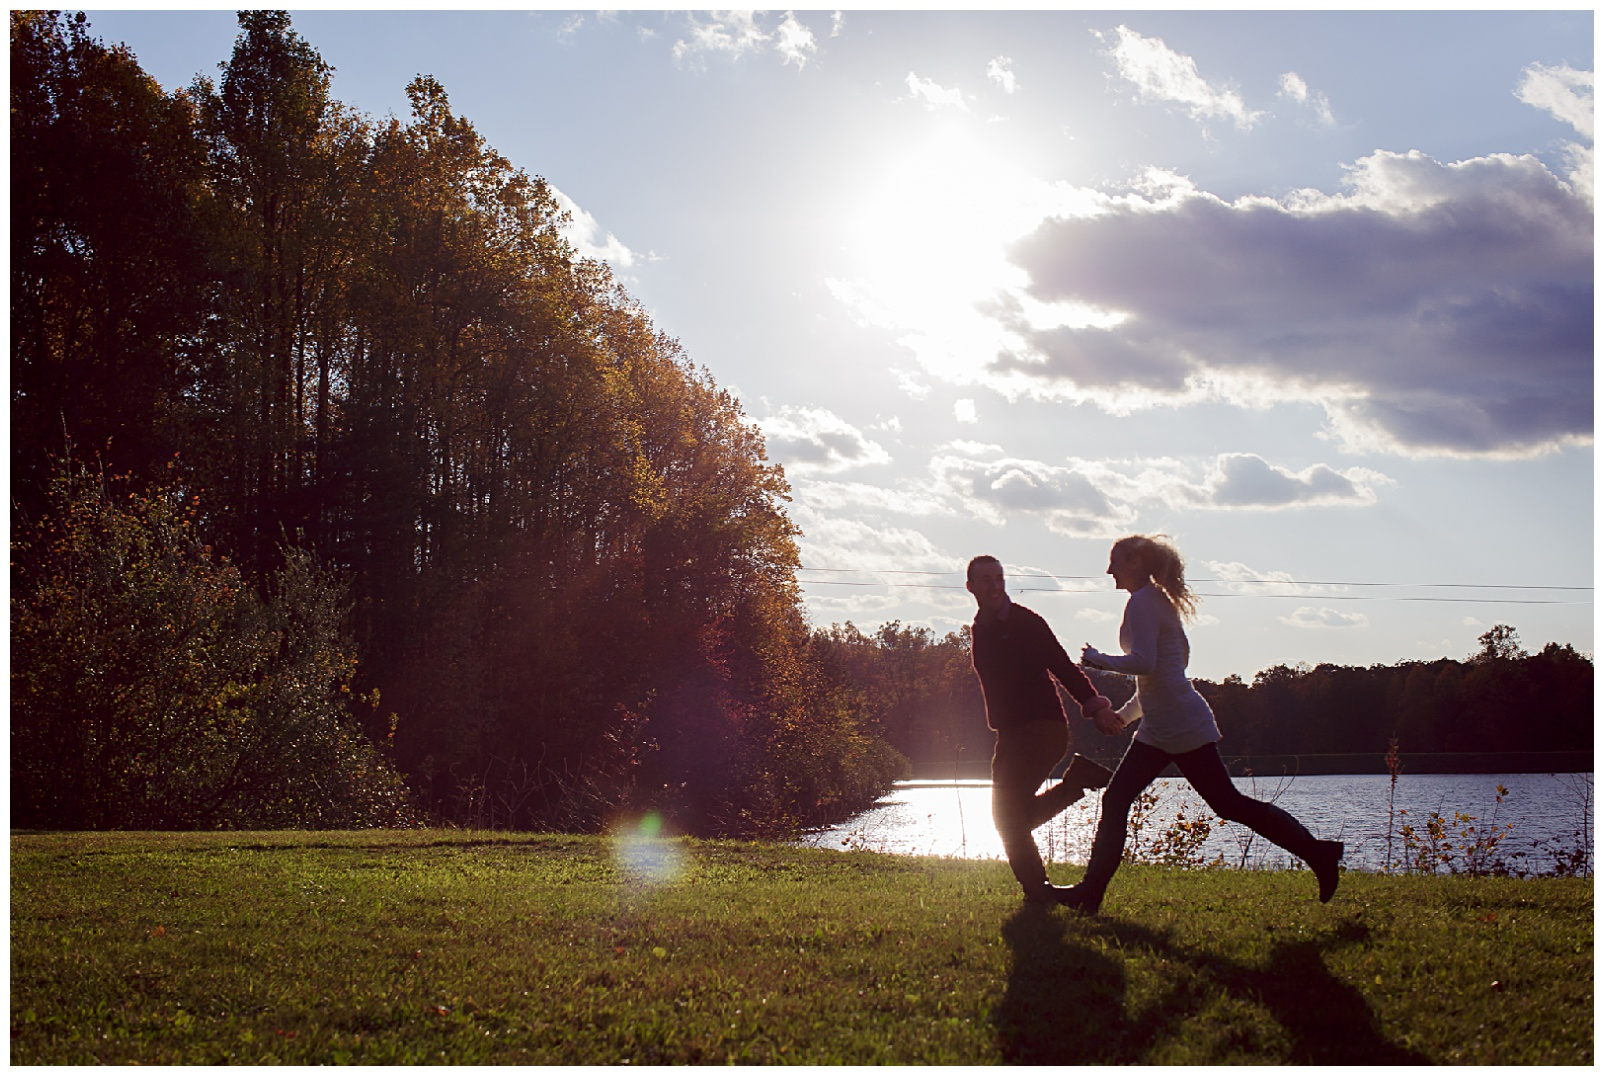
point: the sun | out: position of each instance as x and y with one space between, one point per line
929 242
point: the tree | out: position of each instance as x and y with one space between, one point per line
1499 643
107 262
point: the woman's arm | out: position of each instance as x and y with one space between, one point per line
1140 630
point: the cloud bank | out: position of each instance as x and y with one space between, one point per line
1431 308
1102 498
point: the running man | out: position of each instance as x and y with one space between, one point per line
1016 656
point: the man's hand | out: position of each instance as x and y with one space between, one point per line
1097 704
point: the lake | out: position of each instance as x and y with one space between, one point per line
953 818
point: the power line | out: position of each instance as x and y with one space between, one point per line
1278 582
1228 594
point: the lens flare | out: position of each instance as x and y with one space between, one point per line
645 855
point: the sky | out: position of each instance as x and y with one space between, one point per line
1311 293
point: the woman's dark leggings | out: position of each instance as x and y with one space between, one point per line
1206 773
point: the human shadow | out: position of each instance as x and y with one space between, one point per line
1065 1001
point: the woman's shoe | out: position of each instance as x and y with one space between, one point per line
1084 773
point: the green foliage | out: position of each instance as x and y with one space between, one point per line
413 947
153 688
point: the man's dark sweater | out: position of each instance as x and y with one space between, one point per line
1013 658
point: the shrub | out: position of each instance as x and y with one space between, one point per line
153 687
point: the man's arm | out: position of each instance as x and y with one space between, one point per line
1079 686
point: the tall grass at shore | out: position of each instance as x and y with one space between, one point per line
429 946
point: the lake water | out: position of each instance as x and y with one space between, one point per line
953 818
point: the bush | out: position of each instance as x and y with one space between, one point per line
153 687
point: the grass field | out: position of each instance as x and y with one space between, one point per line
430 946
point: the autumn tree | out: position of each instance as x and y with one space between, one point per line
107 262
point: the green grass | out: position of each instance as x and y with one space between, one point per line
487 948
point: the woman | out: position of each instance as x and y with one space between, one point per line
1177 724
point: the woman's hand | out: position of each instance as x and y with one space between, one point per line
1108 723
1092 657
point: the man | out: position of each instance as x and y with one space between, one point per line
1014 652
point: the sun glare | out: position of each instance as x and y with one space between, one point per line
930 242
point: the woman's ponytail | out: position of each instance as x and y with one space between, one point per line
1162 561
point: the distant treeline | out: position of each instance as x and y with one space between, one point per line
333 466
1498 700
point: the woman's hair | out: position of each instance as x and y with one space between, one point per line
1159 558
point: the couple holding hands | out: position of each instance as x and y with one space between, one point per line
1016 656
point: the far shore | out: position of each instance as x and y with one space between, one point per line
1325 765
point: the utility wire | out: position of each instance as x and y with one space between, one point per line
1281 582
1236 594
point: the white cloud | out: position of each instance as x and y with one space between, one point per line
837 23
585 235
1307 616
734 34
935 96
829 540
794 41
812 439
1162 74
1104 498
1001 71
1231 481
972 448
1432 309
1241 480
820 495
570 26
1567 94
1562 91
1238 578
1096 615
964 411
1062 497
1293 87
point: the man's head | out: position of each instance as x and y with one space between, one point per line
987 584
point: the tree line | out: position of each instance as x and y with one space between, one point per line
1499 699
335 469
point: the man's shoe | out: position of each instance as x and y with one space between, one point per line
1327 855
1079 898
1047 893
1084 773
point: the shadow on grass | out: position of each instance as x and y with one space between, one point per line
1065 1000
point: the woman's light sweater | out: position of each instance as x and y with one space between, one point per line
1175 718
